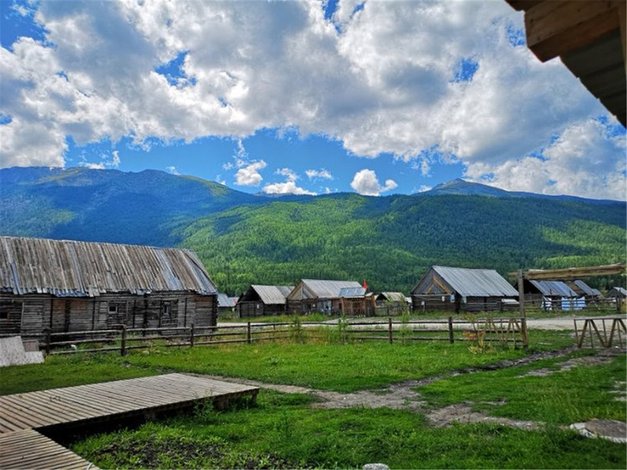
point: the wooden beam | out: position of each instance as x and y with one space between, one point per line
571 273
622 12
558 27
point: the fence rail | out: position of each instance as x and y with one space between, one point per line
604 331
122 339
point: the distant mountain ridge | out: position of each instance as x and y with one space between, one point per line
244 238
465 188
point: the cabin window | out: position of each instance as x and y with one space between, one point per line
10 310
166 309
113 308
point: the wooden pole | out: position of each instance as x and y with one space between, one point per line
521 305
123 342
249 338
47 339
390 334
451 338
191 336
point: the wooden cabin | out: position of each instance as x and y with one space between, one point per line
463 289
391 303
66 286
226 304
551 295
584 290
332 297
263 300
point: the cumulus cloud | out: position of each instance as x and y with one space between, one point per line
249 175
581 161
172 170
380 77
289 186
107 162
319 174
365 182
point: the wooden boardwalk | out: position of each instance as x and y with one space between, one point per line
29 449
111 400
21 446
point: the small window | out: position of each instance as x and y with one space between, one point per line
113 308
166 309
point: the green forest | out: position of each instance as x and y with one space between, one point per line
243 238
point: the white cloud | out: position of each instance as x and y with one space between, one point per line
382 84
319 174
365 182
288 173
249 175
424 188
287 187
107 162
582 161
172 170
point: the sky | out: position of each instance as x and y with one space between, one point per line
301 97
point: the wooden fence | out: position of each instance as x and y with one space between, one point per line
606 332
481 332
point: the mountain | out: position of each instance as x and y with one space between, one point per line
244 238
108 205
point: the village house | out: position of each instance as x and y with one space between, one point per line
77 286
392 303
463 289
226 304
332 297
552 295
584 290
262 300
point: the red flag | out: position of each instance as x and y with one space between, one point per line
365 285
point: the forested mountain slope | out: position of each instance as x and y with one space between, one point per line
244 238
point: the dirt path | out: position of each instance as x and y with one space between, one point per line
403 396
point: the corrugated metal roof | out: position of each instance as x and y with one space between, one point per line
84 269
476 282
225 301
348 292
272 295
393 296
322 289
586 289
554 288
617 291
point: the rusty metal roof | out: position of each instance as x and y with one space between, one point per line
476 282
392 296
67 268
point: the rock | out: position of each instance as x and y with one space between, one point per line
609 429
376 466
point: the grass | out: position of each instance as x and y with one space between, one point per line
564 397
282 431
336 367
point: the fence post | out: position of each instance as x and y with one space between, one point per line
191 336
123 343
47 340
451 338
390 338
249 338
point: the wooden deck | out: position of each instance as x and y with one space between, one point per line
111 400
21 446
29 449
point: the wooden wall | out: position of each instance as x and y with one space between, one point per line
33 313
255 308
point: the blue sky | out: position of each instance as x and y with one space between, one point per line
300 97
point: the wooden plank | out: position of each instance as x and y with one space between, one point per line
109 399
555 28
30 450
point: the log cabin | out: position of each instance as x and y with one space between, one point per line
65 286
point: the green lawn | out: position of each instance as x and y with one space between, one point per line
283 431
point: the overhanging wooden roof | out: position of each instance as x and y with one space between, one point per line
588 36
